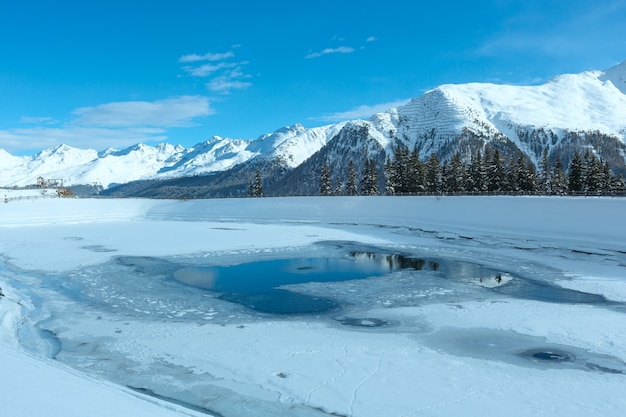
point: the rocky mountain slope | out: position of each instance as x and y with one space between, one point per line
569 113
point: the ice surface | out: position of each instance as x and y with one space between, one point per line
519 315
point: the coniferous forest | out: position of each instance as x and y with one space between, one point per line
488 173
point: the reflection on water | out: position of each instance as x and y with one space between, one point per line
265 275
177 289
311 285
257 285
396 261
334 279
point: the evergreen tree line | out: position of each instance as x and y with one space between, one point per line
406 173
365 184
255 186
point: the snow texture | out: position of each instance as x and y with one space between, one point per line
452 346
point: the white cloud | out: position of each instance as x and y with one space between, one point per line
327 51
224 84
171 112
37 120
371 39
206 57
118 124
35 139
230 80
362 112
227 76
208 69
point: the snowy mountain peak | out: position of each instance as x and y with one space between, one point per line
617 76
166 147
55 150
556 116
576 102
8 161
291 130
61 148
106 152
283 133
267 143
64 154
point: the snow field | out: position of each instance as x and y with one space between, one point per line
457 357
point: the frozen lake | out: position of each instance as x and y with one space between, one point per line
312 315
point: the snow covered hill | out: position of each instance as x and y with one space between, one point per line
289 145
531 117
570 113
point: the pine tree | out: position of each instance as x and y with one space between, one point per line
352 187
531 177
475 177
575 175
415 177
445 169
339 186
401 170
545 175
512 183
433 174
606 178
618 185
374 175
487 157
526 175
365 178
390 177
326 185
495 176
592 173
258 184
455 175
559 179
369 181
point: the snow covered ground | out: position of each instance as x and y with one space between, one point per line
92 284
11 194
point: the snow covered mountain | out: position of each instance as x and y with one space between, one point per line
570 113
531 117
289 145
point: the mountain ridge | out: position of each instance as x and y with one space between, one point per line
569 112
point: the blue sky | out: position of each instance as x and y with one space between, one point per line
99 74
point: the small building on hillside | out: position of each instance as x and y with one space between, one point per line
49 182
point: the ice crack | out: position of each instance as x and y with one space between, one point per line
326 382
355 393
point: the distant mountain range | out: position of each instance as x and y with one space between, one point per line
570 113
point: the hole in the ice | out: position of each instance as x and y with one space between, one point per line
262 285
99 248
548 355
328 284
361 322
